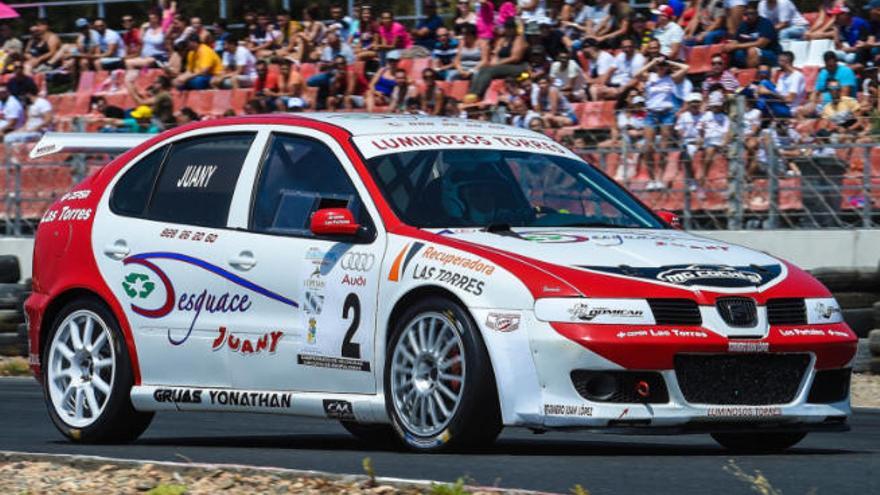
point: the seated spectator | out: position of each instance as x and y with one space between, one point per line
719 78
568 77
833 71
708 25
357 86
153 52
521 115
187 115
431 97
265 38
602 65
626 64
365 33
660 89
340 23
552 39
667 32
508 58
791 85
19 83
628 132
333 97
471 56
10 46
687 128
539 62
652 50
158 99
786 18
553 106
383 82
425 33
823 26
12 111
41 49
403 90
107 47
735 15
464 16
291 88
839 114
391 35
239 66
266 83
714 127
131 37
766 96
100 108
616 24
849 37
219 32
202 64
756 41
443 53
38 119
639 32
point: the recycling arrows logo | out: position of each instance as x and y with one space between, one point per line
138 285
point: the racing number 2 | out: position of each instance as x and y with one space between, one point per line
351 349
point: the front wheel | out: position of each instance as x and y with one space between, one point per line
88 376
439 386
758 442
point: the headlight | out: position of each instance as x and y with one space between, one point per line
823 310
594 311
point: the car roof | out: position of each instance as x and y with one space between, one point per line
367 124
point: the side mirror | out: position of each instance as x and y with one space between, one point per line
334 221
672 219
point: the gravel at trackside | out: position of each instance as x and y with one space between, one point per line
58 474
865 390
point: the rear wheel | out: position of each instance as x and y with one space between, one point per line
758 442
439 386
88 376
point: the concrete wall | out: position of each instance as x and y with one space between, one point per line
806 248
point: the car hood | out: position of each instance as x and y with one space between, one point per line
667 257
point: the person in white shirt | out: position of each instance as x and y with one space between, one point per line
626 64
108 50
786 18
11 110
686 124
39 120
601 66
239 66
792 85
667 32
714 128
568 77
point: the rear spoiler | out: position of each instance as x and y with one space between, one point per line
85 142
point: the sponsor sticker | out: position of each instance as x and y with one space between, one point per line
273 400
567 410
67 214
662 333
503 322
747 346
589 312
338 409
178 395
196 176
312 335
693 274
267 343
138 285
354 281
314 303
812 332
337 363
743 411
75 195
357 262
467 283
699 275
188 235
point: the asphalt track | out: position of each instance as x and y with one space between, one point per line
828 463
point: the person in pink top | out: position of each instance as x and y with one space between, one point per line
169 8
392 35
486 20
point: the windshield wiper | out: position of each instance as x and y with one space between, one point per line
503 229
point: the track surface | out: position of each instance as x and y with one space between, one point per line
830 463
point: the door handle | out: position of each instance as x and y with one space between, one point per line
117 250
244 261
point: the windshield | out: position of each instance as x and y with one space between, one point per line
479 188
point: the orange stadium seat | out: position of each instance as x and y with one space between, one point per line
597 114
700 59
811 74
746 76
201 101
308 70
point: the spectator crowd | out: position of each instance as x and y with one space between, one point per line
529 63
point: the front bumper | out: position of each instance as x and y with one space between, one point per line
560 349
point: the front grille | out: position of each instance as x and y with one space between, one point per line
623 386
675 311
830 386
746 379
787 311
738 311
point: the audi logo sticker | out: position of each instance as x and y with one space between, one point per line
359 262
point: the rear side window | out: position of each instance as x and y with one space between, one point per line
198 179
132 192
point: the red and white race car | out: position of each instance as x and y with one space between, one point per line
424 279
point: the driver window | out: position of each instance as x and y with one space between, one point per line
298 176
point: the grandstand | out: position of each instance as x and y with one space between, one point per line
734 114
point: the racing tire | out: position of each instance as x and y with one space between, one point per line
89 399
372 434
758 442
440 389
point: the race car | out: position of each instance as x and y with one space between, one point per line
422 280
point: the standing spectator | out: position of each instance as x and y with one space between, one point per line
425 33
708 25
719 78
464 16
714 128
403 91
202 64
471 56
108 49
554 107
12 111
20 84
601 68
153 47
239 66
791 85
431 98
392 35
131 37
667 32
756 41
38 119
508 58
786 18
568 77
443 54
660 88
41 48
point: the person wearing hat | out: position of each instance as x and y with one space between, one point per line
714 128
202 64
687 129
823 26
508 58
139 121
786 18
628 130
850 35
383 82
668 33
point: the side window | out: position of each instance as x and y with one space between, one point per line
198 179
298 176
132 192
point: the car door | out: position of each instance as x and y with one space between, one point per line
324 342
160 247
